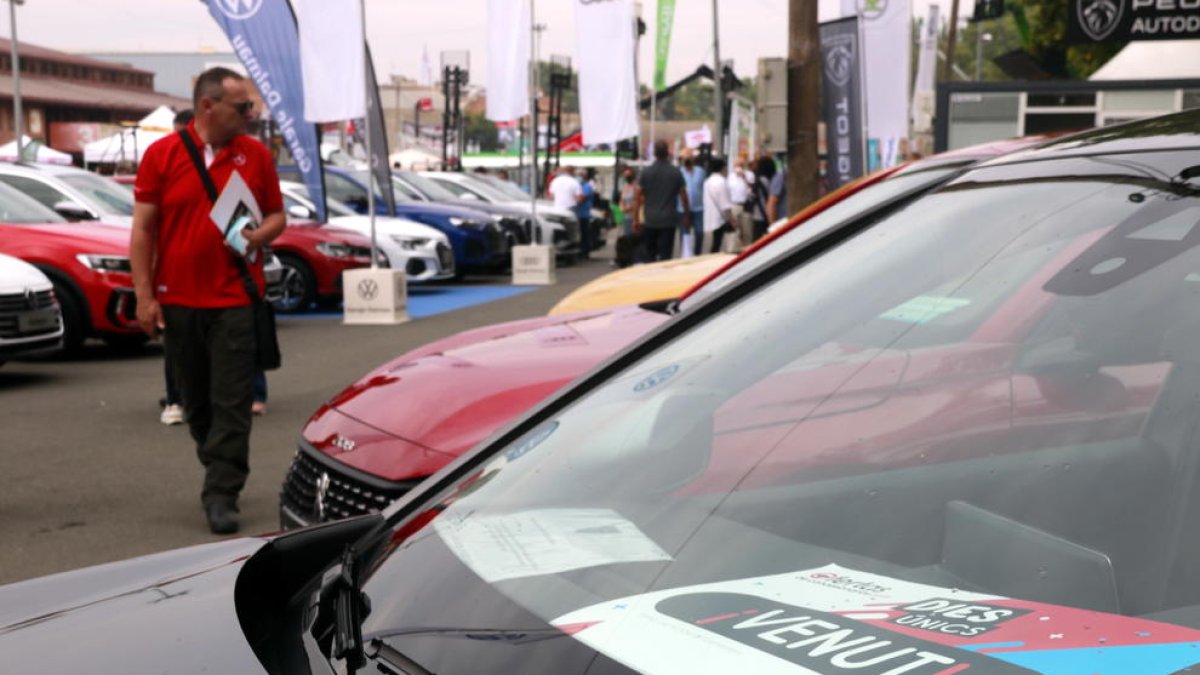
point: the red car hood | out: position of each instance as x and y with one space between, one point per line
315 233
449 395
94 237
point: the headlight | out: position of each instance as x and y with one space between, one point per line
457 222
105 263
337 250
410 243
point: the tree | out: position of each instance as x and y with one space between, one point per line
481 131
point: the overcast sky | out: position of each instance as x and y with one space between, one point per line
398 30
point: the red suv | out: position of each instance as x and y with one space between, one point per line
87 263
313 258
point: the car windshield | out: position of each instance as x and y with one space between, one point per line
968 423
297 194
432 190
402 196
505 187
101 194
867 199
482 186
17 208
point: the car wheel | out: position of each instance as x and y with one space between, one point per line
74 317
299 285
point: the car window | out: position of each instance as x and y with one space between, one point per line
343 189
1016 436
431 189
45 194
505 187
102 194
297 193
16 207
453 186
860 202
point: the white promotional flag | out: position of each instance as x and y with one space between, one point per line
886 45
332 53
923 89
607 85
508 59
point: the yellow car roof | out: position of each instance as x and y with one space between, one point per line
642 283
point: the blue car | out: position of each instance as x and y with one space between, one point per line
479 243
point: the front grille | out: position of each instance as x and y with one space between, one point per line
445 256
415 267
16 304
347 494
19 302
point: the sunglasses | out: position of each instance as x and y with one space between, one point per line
242 108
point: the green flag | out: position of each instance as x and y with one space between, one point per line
666 20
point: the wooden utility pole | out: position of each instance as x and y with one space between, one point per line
804 76
951 41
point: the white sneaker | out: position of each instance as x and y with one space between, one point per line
172 415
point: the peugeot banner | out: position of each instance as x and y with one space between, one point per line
1090 21
841 59
264 37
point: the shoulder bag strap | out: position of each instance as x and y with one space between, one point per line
211 188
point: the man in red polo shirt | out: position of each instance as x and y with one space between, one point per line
189 285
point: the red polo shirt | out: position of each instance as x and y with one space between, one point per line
194 267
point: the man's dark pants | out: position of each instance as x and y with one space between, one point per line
659 242
211 352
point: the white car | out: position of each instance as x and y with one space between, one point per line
30 318
486 190
421 251
73 193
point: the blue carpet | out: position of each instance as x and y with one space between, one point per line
426 301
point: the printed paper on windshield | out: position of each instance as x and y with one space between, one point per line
532 543
837 620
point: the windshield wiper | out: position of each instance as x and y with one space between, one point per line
350 607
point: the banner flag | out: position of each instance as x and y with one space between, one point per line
886 48
608 101
1092 21
380 168
508 59
841 60
664 25
328 31
264 36
923 88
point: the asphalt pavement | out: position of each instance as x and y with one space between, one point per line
89 475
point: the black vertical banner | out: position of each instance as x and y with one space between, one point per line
841 67
379 145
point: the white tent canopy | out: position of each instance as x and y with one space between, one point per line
1153 60
45 154
130 144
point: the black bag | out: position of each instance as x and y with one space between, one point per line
266 343
627 247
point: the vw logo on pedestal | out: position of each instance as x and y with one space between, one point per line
239 10
1099 18
368 289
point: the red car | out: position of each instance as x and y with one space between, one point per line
313 258
87 263
406 419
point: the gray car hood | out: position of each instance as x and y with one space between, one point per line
172 612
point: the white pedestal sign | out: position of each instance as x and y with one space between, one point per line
375 296
533 266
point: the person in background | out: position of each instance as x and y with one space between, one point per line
760 189
583 211
172 404
718 209
190 285
660 188
565 190
627 200
777 206
739 181
693 176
